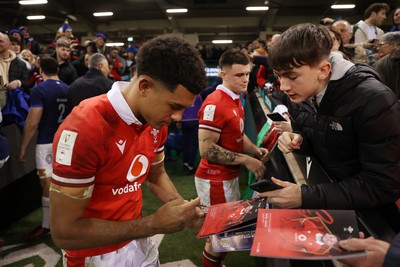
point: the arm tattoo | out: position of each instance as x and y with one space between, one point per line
220 155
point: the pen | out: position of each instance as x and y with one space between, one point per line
203 207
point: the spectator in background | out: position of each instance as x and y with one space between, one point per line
35 78
344 133
30 43
101 47
389 42
47 111
344 28
119 64
388 68
259 58
65 31
17 34
93 83
13 71
15 46
81 64
130 61
265 76
27 55
367 31
355 52
337 45
90 47
396 19
66 72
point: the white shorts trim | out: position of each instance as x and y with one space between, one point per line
230 187
139 253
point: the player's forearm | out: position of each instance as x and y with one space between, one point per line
248 146
92 232
29 132
219 155
161 185
163 189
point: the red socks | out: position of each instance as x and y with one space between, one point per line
210 260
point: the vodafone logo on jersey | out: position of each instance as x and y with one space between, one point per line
138 167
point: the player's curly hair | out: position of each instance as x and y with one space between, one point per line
172 61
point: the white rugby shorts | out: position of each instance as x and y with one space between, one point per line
139 253
216 192
44 158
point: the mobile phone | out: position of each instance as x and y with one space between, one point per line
276 116
265 185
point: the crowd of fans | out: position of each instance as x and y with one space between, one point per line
93 66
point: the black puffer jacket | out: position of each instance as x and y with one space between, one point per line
356 136
19 71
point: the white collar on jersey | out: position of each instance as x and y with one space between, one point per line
228 92
120 105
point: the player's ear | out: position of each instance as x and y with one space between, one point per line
145 83
222 74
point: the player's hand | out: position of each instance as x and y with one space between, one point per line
255 166
197 222
262 153
287 198
174 215
289 141
376 251
21 155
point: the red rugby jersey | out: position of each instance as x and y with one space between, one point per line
101 143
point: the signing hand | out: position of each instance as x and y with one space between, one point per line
174 215
288 197
262 153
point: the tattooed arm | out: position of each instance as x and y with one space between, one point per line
214 153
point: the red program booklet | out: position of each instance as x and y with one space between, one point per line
304 234
232 215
